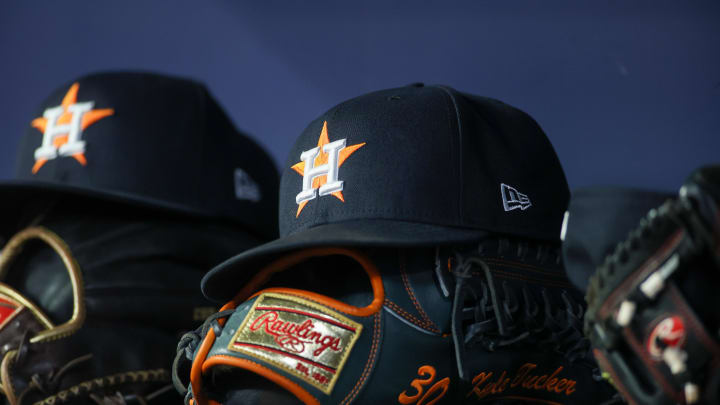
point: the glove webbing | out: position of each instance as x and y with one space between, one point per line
692 237
481 317
90 388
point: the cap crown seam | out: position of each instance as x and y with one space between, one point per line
461 183
201 195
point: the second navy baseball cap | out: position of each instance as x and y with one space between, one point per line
410 166
144 139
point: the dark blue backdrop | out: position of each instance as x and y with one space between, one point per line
628 93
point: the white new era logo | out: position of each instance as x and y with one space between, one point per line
513 199
245 187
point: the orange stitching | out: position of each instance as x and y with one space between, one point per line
411 293
371 360
406 314
410 317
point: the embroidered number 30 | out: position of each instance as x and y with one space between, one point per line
434 394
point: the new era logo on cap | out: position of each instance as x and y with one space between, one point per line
245 187
513 199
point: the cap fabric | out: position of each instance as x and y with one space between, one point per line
146 139
597 220
411 166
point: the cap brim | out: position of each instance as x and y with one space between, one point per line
225 280
14 194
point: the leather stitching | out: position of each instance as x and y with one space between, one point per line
420 323
411 294
368 366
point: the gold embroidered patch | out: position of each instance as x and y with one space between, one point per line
306 339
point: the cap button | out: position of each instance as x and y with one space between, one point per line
417 84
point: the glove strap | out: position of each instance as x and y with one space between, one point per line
11 251
16 307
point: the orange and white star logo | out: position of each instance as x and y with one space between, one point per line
319 168
62 128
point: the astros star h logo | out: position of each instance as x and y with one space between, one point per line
319 167
62 128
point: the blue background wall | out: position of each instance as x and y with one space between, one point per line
629 94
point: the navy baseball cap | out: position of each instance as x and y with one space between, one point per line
144 139
411 166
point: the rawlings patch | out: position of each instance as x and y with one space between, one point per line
305 339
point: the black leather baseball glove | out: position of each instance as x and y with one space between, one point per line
495 323
93 298
653 314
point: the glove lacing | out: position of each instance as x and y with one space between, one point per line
186 348
48 384
482 317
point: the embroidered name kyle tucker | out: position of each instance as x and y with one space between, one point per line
527 377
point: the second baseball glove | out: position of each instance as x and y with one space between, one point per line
652 306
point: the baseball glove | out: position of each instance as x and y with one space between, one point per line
653 314
92 304
493 323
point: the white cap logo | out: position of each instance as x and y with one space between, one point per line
513 199
320 167
62 128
